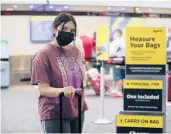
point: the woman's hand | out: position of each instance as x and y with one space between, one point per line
69 91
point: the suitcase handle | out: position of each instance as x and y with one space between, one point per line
79 111
62 94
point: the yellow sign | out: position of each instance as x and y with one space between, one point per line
145 45
102 40
143 84
139 121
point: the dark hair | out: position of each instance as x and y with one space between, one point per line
64 18
118 31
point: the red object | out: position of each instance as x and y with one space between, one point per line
169 88
88 45
102 14
110 61
147 15
7 13
95 83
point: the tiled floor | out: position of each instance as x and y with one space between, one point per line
20 114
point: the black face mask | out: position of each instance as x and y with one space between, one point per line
65 38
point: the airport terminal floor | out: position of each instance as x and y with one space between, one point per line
20 114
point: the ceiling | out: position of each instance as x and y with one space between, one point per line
55 7
116 3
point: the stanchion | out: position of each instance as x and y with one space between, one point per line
102 120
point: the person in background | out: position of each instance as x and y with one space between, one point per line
88 51
58 68
117 49
87 45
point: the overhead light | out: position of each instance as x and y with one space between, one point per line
123 8
65 7
50 6
31 6
109 8
9 9
15 6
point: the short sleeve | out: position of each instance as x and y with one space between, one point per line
40 73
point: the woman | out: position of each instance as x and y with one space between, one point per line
117 49
58 68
